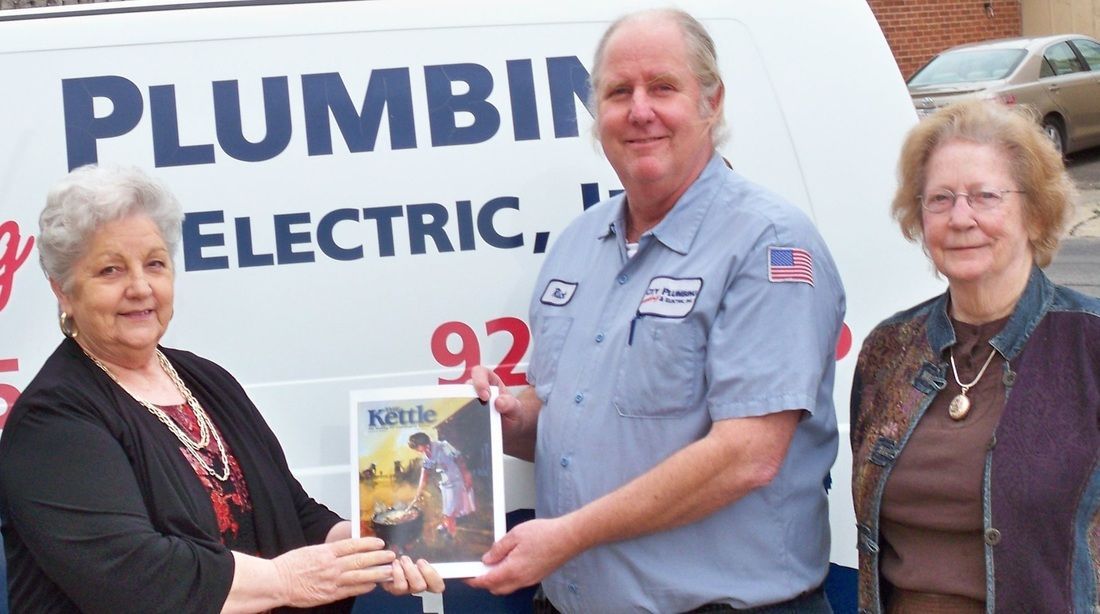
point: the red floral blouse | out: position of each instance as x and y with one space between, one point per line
230 500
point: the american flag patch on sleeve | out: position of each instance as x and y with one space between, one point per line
790 264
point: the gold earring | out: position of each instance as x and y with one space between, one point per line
67 327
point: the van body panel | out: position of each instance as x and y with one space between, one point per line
371 185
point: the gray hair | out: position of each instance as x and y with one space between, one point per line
91 196
702 60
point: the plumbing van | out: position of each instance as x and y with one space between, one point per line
371 186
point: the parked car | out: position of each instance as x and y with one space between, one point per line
1057 76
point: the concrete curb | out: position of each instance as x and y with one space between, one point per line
1085 221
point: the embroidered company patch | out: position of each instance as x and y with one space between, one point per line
669 297
790 264
558 293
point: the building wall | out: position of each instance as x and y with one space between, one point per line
918 29
1061 16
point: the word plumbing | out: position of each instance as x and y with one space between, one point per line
458 100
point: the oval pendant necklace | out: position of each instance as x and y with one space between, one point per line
960 405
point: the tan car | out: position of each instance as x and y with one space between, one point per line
1057 76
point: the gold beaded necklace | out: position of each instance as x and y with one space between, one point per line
206 427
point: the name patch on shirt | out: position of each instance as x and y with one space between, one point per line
669 297
558 293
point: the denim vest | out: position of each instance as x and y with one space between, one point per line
1041 480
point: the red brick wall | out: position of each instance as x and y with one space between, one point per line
918 29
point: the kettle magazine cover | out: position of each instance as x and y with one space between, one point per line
427 474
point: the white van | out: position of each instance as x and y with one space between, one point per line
370 186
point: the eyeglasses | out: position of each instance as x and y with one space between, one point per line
984 199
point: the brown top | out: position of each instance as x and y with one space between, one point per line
931 522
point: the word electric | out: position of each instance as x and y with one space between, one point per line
341 234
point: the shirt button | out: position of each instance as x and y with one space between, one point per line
622 279
992 537
599 338
573 588
564 462
577 399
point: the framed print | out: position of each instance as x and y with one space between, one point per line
428 474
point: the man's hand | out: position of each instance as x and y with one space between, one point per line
481 378
519 415
527 554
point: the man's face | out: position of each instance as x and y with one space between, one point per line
653 122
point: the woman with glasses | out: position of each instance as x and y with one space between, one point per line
976 414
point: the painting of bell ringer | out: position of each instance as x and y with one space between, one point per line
428 474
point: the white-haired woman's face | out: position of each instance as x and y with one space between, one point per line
121 291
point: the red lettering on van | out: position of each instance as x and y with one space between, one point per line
468 352
844 342
8 393
11 258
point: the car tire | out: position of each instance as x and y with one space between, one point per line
1052 127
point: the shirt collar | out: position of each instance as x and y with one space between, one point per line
678 229
1030 309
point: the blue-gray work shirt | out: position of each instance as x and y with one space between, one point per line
634 358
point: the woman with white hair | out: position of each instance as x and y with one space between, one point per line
135 477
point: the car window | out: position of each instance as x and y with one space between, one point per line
1046 70
1062 59
968 65
1090 51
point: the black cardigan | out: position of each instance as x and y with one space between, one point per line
102 513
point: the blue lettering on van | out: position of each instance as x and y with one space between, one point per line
388 89
82 128
194 241
521 90
327 242
427 226
590 194
457 97
167 150
485 223
286 239
246 255
568 79
227 120
444 105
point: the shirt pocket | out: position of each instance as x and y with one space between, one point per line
550 336
661 373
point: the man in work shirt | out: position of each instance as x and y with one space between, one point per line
681 416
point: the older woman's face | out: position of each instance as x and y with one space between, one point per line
120 298
968 245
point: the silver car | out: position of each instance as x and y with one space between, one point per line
1057 76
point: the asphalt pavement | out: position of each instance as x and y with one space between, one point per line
1077 263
